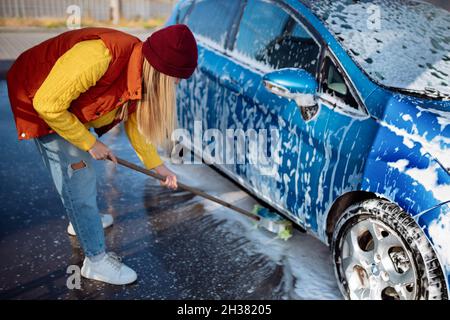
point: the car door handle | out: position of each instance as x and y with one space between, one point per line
206 70
230 83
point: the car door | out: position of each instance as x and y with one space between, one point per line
270 37
210 22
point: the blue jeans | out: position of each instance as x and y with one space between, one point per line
77 189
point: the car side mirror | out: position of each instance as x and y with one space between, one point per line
297 85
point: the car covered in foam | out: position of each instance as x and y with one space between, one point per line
359 94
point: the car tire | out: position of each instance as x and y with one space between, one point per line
380 252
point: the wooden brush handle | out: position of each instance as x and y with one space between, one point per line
182 186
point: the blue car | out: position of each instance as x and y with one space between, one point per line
358 93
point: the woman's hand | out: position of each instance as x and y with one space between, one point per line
171 178
100 151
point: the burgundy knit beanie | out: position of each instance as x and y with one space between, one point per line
172 51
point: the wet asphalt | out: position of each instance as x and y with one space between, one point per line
181 246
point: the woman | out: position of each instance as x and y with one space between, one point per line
96 78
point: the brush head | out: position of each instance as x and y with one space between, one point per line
273 222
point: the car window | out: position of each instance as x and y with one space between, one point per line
183 10
333 83
260 24
269 35
212 18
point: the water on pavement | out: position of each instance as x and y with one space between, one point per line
181 246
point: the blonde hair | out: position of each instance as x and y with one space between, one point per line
156 111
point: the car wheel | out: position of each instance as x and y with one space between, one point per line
380 253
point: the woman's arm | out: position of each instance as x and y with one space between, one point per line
74 73
147 152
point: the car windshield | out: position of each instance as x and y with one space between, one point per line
399 43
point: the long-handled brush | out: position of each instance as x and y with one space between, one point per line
263 217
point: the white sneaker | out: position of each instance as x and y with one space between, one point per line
110 270
107 221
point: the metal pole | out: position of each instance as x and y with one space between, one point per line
188 188
114 7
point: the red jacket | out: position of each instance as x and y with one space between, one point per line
121 82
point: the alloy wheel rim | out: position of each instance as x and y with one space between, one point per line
376 264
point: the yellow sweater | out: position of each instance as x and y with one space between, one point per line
74 73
